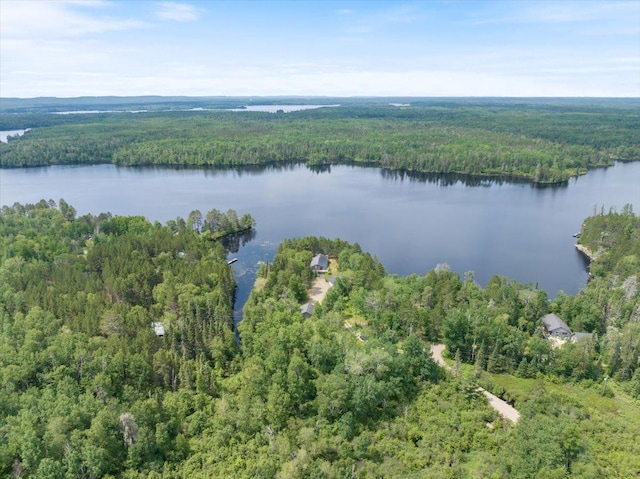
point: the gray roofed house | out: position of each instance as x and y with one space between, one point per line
319 263
307 309
555 326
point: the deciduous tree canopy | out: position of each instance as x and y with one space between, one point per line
91 386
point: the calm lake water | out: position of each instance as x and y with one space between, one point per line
283 108
261 108
411 223
5 134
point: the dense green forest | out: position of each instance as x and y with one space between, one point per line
89 388
532 140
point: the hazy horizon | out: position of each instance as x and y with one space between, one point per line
321 97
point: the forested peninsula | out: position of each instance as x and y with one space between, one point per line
118 359
534 140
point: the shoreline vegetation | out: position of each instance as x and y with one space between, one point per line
612 242
544 143
119 359
591 256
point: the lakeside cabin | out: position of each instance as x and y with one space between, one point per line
556 327
320 264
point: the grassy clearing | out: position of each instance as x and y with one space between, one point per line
334 265
259 284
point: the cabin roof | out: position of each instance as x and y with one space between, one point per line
320 261
552 322
307 308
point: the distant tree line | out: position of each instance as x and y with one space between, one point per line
538 143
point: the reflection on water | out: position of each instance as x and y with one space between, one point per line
233 243
319 169
439 179
212 172
451 179
410 222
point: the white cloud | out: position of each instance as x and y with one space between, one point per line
179 12
45 20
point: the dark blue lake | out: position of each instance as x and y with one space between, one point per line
411 223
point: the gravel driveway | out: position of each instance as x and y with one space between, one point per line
319 289
504 409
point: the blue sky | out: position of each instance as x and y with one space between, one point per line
427 48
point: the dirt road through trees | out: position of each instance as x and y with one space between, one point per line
504 409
